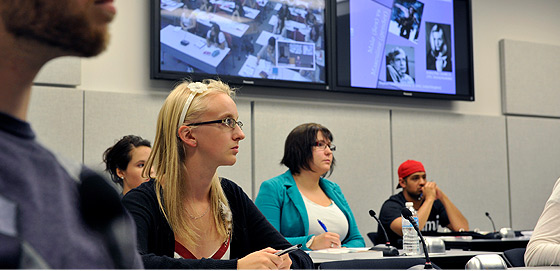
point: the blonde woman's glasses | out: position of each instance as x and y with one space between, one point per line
229 122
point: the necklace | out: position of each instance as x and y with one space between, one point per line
200 216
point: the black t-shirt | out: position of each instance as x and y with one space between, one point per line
391 210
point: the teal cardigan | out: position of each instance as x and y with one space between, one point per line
281 203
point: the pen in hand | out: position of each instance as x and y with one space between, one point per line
288 250
322 225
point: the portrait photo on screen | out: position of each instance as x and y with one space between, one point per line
438 45
400 64
276 40
405 19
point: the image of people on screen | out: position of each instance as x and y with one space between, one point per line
438 55
206 6
215 37
282 15
398 69
240 38
188 20
238 11
268 52
406 16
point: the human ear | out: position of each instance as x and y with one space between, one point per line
402 182
186 135
120 173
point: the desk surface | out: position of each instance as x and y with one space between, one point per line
226 25
228 6
265 69
451 259
196 53
496 245
170 5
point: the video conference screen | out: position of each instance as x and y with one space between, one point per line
268 40
411 46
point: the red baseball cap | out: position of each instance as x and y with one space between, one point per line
408 168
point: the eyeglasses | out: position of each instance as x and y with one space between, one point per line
229 122
322 146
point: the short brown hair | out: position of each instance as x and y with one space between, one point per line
298 149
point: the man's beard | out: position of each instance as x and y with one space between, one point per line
414 194
56 23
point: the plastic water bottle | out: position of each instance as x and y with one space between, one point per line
411 242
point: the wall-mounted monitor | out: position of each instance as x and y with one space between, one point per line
418 48
259 42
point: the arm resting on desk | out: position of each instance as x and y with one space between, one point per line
457 222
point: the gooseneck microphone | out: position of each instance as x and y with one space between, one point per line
407 214
388 250
493 226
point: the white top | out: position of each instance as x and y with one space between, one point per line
544 247
221 37
333 218
188 21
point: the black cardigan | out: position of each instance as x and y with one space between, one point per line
251 231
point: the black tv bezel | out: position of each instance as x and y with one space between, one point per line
157 73
462 23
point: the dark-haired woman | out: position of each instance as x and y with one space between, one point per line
125 161
215 37
294 201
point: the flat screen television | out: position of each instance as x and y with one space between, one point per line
257 42
417 48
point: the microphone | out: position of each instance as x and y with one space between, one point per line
388 250
408 215
493 226
494 234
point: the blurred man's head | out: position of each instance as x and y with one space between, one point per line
76 27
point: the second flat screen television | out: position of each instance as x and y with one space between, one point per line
261 42
417 48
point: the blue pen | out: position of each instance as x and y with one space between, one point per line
322 225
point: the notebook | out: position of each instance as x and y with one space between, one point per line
345 253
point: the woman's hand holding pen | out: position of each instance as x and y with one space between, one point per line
326 240
264 259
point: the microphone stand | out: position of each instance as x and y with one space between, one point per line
408 215
388 250
493 226
495 234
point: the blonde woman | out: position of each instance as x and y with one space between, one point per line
188 217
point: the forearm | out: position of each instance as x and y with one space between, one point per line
424 212
456 219
542 253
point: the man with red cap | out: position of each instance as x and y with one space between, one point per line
433 206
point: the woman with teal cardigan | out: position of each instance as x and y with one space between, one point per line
295 202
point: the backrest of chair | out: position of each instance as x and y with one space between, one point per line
229 40
384 263
373 237
515 257
299 36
